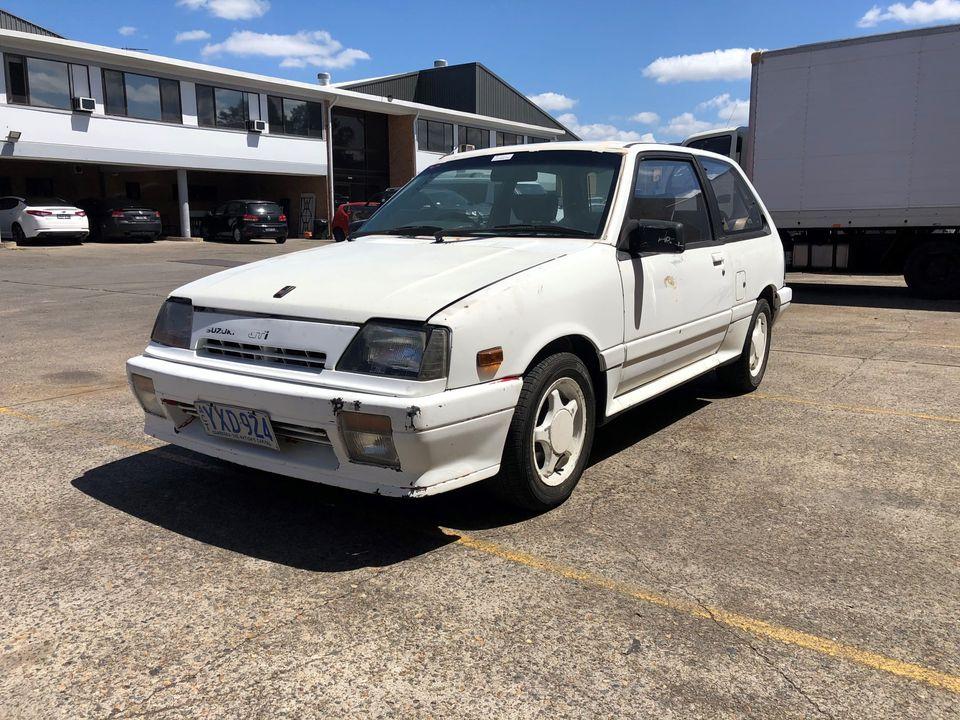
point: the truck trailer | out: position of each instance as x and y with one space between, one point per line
854 146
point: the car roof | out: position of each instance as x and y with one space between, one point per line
623 147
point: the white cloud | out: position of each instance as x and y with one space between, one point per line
686 124
317 48
127 30
602 131
730 64
917 13
645 118
551 101
730 111
190 35
229 9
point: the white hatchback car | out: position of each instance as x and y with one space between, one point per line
484 337
41 218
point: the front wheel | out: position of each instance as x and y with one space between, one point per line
550 436
281 240
18 234
746 372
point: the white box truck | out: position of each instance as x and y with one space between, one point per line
854 147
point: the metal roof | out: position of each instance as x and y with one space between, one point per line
9 21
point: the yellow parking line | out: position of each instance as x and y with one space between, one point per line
758 628
865 409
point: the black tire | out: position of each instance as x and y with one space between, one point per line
237 237
737 376
281 240
933 269
18 235
519 482
338 235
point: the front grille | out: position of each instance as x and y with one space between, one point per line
290 432
262 354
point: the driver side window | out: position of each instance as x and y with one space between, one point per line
669 190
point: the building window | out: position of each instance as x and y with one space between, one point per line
294 117
505 138
141 96
532 139
434 136
477 137
223 108
45 83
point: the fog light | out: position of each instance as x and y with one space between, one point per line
369 439
146 394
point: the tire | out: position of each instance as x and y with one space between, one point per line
338 235
237 237
547 393
18 235
933 269
745 373
281 240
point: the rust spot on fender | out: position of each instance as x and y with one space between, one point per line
670 282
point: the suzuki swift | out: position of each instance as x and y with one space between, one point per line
486 320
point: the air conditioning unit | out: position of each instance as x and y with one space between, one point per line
257 126
466 147
84 104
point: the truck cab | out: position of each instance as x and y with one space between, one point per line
725 141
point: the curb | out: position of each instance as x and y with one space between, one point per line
178 238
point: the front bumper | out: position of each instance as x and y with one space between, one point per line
444 440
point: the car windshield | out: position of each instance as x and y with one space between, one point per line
265 208
563 193
46 201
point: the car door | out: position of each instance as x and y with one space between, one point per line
677 305
216 220
8 206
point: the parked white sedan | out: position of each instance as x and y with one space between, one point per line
33 218
482 338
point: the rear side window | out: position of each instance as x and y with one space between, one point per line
669 190
739 208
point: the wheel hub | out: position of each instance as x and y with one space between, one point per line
561 431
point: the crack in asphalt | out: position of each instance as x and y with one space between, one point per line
213 663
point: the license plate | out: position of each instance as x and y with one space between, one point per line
226 421
63 217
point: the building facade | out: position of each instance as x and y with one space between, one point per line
86 121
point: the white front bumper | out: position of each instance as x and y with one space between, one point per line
444 440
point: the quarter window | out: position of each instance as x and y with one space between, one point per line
739 208
434 136
477 137
222 107
294 117
45 83
141 96
669 190
505 138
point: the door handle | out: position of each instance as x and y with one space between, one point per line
717 259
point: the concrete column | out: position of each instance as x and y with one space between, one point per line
328 138
183 201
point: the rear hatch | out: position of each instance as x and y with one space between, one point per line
264 213
135 216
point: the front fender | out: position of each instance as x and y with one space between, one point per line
578 294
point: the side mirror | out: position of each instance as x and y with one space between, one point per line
652 236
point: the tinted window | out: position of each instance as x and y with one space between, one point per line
435 136
80 80
206 116
477 137
143 96
16 79
719 144
669 190
295 117
739 209
275 113
49 83
114 102
315 119
170 101
8 203
231 108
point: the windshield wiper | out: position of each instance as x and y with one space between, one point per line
552 229
404 231
462 232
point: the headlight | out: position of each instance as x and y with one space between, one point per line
417 352
174 323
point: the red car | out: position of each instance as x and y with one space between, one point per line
348 213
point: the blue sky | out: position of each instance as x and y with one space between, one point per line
619 70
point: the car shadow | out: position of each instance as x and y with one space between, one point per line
868 296
318 528
49 242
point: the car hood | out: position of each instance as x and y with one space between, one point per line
400 278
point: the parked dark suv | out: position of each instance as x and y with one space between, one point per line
240 220
121 219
